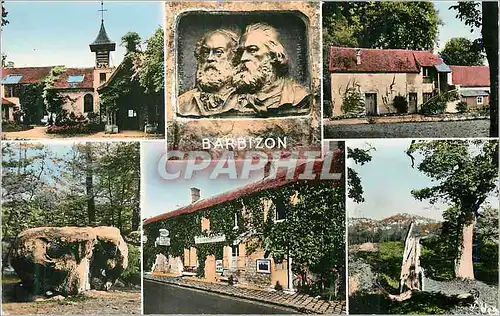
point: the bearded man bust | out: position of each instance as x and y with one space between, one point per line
214 93
262 79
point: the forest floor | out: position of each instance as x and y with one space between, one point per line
89 302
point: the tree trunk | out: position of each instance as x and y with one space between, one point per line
490 42
463 264
136 215
89 177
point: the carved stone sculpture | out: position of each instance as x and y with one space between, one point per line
247 76
69 260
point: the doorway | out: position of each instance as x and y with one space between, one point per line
412 103
371 103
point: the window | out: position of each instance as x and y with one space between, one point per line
264 265
75 78
235 250
88 103
427 96
479 100
280 210
11 79
12 91
102 77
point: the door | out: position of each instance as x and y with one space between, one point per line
412 104
235 252
371 103
128 119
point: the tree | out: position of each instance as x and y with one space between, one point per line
358 156
484 15
466 173
461 51
131 41
31 98
4 15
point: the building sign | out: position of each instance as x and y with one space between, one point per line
264 265
218 266
209 239
164 241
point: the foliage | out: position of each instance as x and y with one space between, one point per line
327 109
14 127
359 157
31 99
403 25
4 15
45 188
150 66
131 41
400 104
462 107
462 52
52 99
312 234
352 101
437 104
132 274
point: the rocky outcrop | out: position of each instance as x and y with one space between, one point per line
69 260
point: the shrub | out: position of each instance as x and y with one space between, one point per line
14 127
462 107
327 109
437 104
400 104
69 130
132 275
352 102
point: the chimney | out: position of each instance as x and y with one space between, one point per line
195 195
358 56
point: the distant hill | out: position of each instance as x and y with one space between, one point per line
392 228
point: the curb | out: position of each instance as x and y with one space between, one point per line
300 309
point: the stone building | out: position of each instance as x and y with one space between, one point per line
379 75
473 84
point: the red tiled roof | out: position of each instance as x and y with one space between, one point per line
471 76
29 74
88 79
426 58
343 59
7 102
264 184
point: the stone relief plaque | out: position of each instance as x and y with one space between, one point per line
240 69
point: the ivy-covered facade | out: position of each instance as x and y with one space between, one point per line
266 234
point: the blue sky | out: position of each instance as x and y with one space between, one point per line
452 27
59 33
387 181
160 196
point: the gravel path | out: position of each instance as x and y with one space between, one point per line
452 129
487 294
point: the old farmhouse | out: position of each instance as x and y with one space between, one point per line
473 84
377 76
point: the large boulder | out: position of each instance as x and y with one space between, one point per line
69 260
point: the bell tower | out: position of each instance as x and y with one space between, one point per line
102 45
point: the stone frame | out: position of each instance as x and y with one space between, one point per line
268 261
186 133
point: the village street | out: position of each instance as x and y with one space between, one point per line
162 298
456 129
38 132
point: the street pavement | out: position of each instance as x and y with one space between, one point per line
451 129
162 298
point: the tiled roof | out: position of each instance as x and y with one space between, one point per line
471 76
264 184
343 59
88 79
29 74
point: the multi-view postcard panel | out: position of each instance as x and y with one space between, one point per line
240 70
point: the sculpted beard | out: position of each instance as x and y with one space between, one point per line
250 79
213 77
